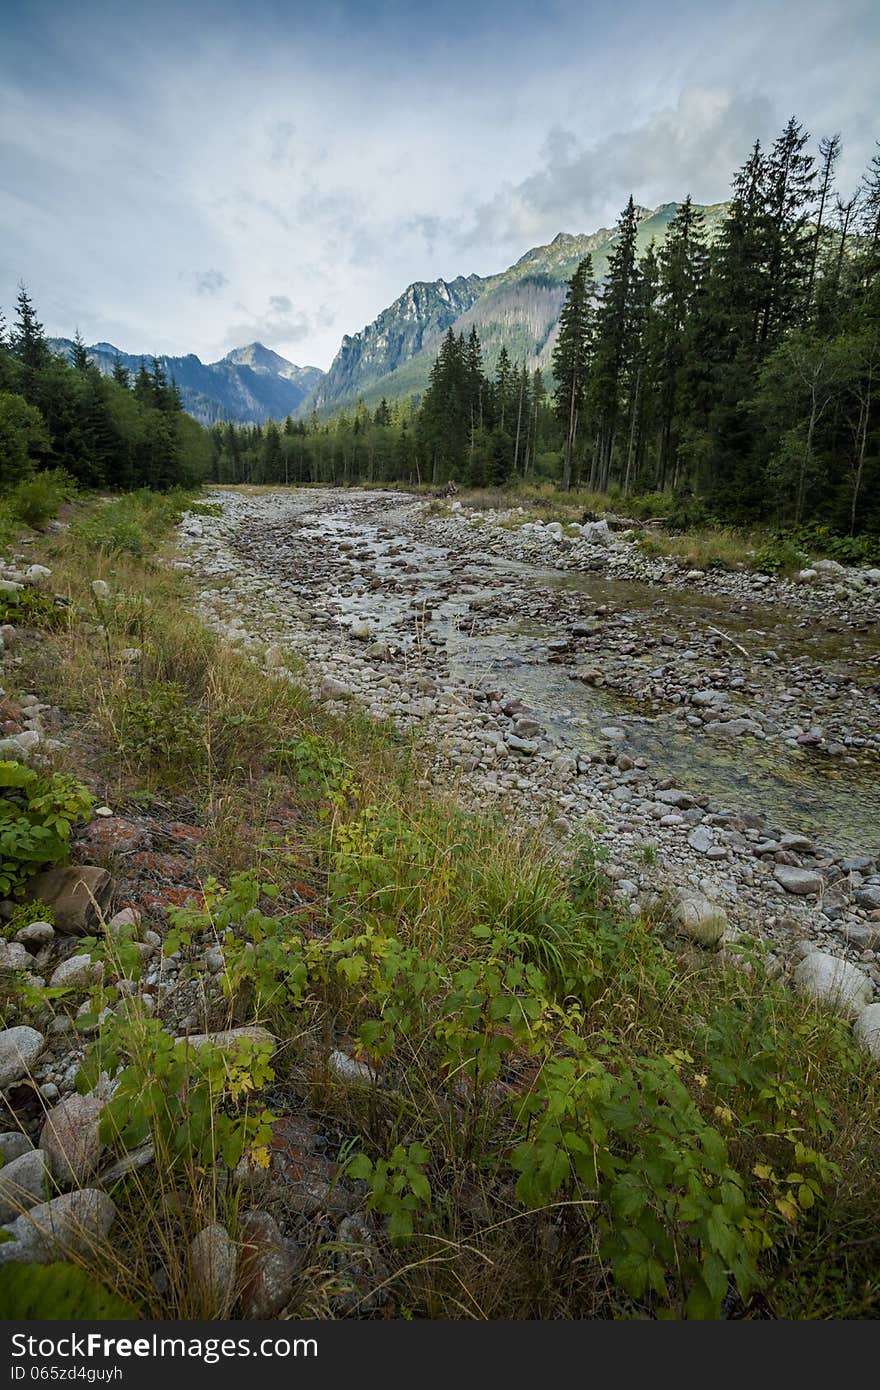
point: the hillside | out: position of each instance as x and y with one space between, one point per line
248 386
519 307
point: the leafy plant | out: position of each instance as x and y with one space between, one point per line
399 1189
36 817
193 1102
30 608
56 1292
160 727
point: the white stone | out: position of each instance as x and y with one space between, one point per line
833 981
867 1030
19 1049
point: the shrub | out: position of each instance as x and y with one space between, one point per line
36 816
29 608
159 726
780 555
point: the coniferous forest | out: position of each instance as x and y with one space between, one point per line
741 373
118 432
738 373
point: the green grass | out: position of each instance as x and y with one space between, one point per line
572 1117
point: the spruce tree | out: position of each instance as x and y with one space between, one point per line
79 358
28 338
571 355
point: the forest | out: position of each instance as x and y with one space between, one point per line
105 432
739 374
736 373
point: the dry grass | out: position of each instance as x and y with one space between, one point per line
389 856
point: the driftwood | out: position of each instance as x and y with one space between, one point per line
724 636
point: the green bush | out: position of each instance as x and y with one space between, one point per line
159 726
30 608
36 816
780 555
132 525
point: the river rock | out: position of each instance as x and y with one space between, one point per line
23 1184
19 1049
833 981
36 934
700 919
13 1145
69 1226
350 1069
332 689
214 1264
70 1138
522 745
674 796
867 1030
77 972
267 1267
14 956
801 882
231 1038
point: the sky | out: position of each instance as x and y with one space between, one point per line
191 177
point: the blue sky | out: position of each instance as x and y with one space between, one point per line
191 177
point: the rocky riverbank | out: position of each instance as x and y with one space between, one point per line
717 734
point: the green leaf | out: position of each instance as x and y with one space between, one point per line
701 1304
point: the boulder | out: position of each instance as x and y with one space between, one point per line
68 1227
23 1184
19 1049
332 689
12 1145
77 972
801 882
700 919
833 981
35 935
214 1264
231 1038
14 956
79 897
70 1138
867 1030
267 1267
596 533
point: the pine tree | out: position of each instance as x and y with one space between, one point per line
121 373
503 386
615 339
829 152
571 356
79 358
28 338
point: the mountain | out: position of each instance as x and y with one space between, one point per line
392 357
249 385
417 319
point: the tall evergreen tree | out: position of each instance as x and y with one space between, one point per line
571 359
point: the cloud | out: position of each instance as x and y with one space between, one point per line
209 281
278 323
693 146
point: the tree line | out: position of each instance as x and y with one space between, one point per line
118 431
742 371
739 371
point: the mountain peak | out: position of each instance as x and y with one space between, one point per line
257 355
